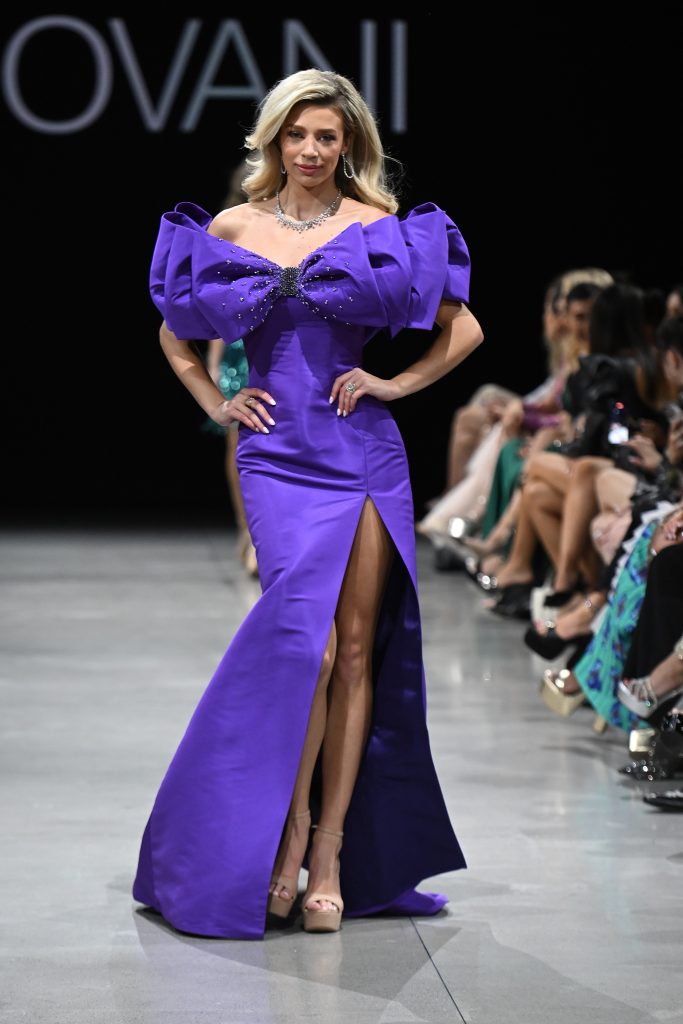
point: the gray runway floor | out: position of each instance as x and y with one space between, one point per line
570 910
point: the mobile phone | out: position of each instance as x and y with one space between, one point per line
618 433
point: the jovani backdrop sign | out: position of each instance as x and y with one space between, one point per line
546 144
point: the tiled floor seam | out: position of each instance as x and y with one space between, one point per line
439 974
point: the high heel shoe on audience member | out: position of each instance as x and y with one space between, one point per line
449 554
549 645
665 758
669 801
280 904
514 601
639 697
460 527
553 695
319 919
485 581
483 547
559 598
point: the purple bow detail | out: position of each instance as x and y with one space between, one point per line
252 284
391 273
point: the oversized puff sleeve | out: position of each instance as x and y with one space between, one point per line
172 273
421 260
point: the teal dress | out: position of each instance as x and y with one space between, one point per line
602 665
505 479
234 374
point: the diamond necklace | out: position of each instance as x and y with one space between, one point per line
303 225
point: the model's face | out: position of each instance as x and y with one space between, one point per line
311 141
578 318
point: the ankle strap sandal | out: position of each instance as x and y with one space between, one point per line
317 919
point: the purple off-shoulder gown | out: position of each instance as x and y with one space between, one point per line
209 844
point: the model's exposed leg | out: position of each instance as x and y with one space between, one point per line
295 837
580 505
350 692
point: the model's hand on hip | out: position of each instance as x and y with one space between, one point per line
247 407
363 384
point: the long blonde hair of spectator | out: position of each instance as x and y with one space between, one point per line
586 275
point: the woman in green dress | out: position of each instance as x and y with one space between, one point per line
597 673
229 370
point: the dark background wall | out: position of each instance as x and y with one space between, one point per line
549 144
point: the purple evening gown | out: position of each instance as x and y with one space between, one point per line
210 842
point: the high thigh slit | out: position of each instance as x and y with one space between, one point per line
211 840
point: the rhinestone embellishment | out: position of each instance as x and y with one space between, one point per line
289 280
283 281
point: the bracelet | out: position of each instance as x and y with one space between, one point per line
678 649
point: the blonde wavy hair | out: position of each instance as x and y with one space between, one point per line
588 275
370 183
560 349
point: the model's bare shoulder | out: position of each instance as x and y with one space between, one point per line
228 224
377 214
364 212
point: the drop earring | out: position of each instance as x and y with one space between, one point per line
351 175
283 170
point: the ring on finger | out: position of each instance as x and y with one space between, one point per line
250 401
351 387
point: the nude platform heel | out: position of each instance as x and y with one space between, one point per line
553 695
319 920
277 904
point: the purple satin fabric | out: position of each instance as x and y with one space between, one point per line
210 841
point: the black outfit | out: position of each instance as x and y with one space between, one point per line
660 623
593 390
